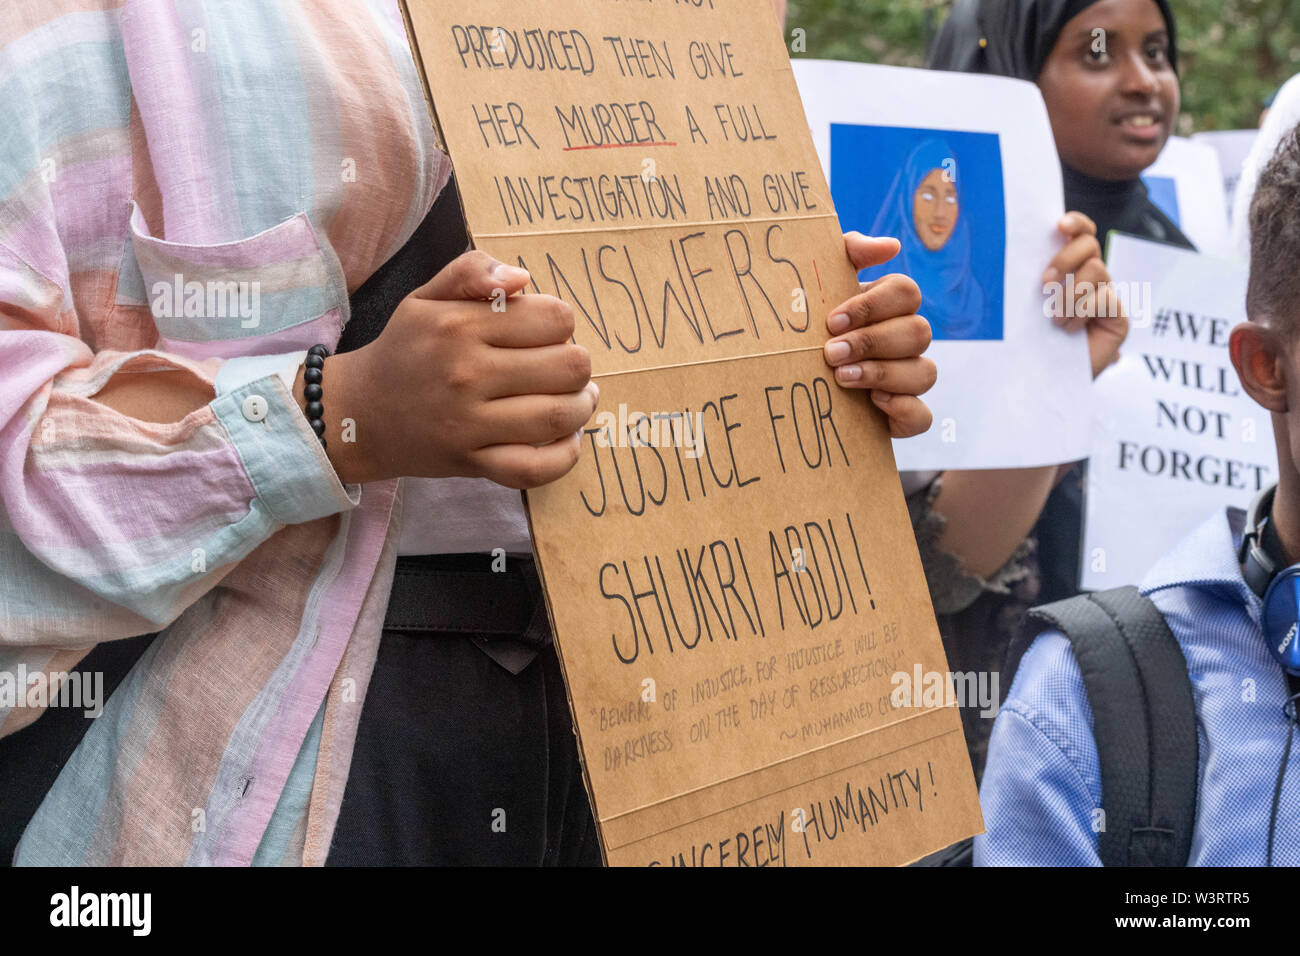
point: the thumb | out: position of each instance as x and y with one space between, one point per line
473 276
867 251
1075 223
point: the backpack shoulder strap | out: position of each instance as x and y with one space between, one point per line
1144 721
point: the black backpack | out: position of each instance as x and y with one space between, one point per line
1144 724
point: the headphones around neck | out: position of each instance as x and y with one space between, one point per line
1263 565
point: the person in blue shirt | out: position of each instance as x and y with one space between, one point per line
1042 784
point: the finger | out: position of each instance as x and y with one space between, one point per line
528 466
475 276
888 297
1089 283
899 376
868 286
1076 252
526 322
1069 315
905 336
1110 308
867 251
1075 223
537 419
1084 309
1093 274
908 415
551 370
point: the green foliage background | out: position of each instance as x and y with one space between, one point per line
1232 53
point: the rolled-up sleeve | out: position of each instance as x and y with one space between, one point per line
111 526
285 463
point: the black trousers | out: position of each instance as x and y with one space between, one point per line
462 756
458 760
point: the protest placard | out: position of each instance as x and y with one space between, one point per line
730 570
963 171
1175 437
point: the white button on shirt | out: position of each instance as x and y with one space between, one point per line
254 408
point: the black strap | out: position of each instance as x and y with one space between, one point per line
1144 721
440 238
465 594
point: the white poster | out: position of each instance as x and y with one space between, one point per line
1175 437
1233 146
1186 182
963 171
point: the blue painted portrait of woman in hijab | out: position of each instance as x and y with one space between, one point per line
942 199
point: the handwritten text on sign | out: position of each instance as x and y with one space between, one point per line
730 567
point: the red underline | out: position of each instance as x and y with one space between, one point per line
570 149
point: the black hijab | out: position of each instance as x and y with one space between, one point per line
1014 38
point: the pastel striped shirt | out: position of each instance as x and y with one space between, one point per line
194 185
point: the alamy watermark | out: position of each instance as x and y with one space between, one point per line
1082 300
133 911
657 429
79 689
919 688
213 299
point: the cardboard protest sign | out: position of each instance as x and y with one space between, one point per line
1186 182
1176 437
730 569
963 171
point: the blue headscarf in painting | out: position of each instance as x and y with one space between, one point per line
951 298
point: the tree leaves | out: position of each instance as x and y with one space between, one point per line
1232 53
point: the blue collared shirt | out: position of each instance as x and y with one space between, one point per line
1042 784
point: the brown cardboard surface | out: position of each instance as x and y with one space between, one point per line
730 569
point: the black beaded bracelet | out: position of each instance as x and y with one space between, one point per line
312 391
